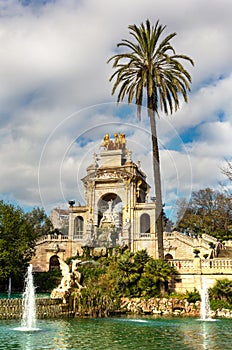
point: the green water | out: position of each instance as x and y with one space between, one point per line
119 333
19 295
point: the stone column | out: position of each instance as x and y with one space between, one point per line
197 265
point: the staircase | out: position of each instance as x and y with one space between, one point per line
225 253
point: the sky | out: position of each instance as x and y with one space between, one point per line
56 103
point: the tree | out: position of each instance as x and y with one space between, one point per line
40 222
128 274
228 170
18 235
208 211
156 274
151 64
222 290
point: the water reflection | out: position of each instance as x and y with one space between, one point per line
204 335
208 341
145 333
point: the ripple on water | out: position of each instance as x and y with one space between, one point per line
25 329
118 333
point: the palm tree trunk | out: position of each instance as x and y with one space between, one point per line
157 180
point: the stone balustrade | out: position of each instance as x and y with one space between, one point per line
53 238
205 266
183 265
216 265
190 240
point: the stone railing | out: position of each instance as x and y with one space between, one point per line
209 238
196 242
173 235
217 265
53 237
205 266
183 265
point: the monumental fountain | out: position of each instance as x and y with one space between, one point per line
151 332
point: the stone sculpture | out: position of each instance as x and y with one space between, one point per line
71 277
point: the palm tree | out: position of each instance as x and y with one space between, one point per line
156 274
222 290
151 64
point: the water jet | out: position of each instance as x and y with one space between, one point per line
205 314
28 322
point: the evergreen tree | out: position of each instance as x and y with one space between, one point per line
18 235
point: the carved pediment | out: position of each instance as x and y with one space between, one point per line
108 174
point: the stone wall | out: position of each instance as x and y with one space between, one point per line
160 306
53 308
45 308
188 282
167 307
51 245
192 271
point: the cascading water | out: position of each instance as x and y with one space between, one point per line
205 305
29 307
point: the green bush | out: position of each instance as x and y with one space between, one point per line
45 282
220 304
194 296
128 274
222 290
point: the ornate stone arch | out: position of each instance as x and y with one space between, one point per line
106 202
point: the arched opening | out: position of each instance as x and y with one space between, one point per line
54 263
168 256
109 202
78 227
145 223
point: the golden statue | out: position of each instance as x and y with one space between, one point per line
116 141
119 142
122 141
106 141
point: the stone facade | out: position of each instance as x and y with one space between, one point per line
191 272
181 246
117 212
60 218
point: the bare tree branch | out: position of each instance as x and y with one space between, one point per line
228 170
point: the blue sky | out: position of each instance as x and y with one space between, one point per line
56 103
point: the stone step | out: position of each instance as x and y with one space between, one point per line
225 253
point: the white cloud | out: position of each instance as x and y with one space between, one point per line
54 86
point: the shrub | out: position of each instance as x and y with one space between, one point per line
45 282
219 304
192 297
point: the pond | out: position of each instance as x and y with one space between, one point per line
19 295
143 333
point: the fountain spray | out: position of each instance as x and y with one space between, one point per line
29 307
